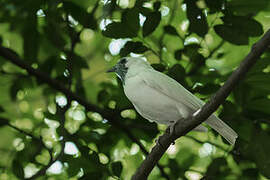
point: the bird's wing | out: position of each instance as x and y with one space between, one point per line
171 88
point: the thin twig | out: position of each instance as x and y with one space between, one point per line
185 126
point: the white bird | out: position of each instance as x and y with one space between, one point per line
161 99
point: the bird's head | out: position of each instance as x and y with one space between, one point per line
128 64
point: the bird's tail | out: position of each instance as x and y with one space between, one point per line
222 128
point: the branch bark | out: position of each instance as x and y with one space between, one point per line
181 129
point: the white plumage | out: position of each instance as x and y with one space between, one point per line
161 99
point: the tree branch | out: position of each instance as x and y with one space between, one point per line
181 129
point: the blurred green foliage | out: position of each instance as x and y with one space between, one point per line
197 42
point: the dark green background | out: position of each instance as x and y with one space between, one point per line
197 42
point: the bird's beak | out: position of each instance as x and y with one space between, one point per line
113 69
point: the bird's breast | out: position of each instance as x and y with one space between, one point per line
152 104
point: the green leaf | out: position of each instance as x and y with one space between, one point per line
191 50
259 80
157 5
260 105
81 15
116 30
251 173
117 168
79 84
3 121
50 116
130 19
148 131
139 3
93 175
260 65
216 168
79 62
127 28
175 169
145 11
151 23
259 151
30 39
103 97
214 6
170 30
159 67
244 24
82 3
245 7
55 35
256 149
237 29
74 164
17 169
48 64
135 47
231 34
109 8
2 109
198 23
177 72
207 89
20 83
178 54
